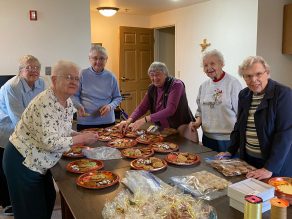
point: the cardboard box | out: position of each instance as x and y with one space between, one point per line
238 191
240 206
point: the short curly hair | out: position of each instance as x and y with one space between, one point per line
249 61
27 59
158 66
213 52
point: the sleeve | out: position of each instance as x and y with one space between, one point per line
14 104
176 91
282 135
116 95
235 134
49 129
198 100
143 107
236 88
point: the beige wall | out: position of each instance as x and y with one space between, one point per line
62 31
269 40
105 30
230 28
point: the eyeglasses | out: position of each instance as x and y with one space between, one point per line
70 78
101 59
257 75
155 74
32 68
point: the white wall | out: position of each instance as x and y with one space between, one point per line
229 27
105 30
269 41
166 47
62 31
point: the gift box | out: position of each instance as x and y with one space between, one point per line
237 191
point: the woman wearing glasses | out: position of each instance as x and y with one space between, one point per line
263 131
15 95
165 99
98 94
38 142
217 103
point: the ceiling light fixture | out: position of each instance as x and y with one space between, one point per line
107 11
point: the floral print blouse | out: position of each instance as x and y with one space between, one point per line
44 132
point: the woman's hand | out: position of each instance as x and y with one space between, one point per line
81 111
123 125
104 110
259 174
222 155
136 125
85 138
195 125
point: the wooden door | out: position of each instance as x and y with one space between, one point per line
136 54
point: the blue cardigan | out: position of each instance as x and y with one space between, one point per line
273 121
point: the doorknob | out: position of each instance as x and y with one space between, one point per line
124 78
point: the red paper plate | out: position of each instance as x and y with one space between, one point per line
149 139
104 138
134 134
164 147
97 179
84 165
149 164
137 152
182 158
121 143
75 151
281 185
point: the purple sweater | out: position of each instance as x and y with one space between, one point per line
161 114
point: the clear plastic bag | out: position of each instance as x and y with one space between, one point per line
154 199
140 180
232 167
102 153
166 203
203 185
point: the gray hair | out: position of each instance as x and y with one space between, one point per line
158 66
98 49
26 59
213 52
249 61
64 67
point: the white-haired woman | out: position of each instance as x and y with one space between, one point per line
166 99
15 95
98 94
217 102
41 136
263 130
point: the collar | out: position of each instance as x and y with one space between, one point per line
26 87
91 68
219 79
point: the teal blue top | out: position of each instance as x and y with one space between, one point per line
96 90
15 95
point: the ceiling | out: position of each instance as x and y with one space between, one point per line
143 7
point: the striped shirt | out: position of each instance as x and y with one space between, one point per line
252 142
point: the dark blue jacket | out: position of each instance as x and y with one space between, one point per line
273 121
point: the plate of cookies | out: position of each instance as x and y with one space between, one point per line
149 164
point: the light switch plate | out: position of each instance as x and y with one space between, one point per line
48 70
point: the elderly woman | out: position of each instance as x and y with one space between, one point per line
15 95
41 136
217 103
166 99
263 131
98 93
